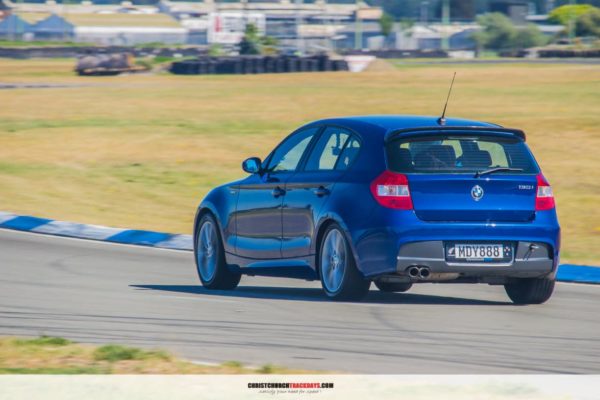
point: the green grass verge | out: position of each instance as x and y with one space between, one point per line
56 355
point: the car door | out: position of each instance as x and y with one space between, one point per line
258 213
309 188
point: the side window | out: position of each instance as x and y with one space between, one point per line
287 156
327 150
348 154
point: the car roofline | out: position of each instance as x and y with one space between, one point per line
404 132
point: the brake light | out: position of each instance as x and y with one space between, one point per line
544 199
391 190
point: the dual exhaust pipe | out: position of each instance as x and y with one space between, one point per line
424 274
419 272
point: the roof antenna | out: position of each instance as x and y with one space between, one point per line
442 120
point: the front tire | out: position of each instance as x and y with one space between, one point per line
340 278
391 287
530 291
210 257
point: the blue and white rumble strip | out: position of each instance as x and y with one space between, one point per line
95 232
566 272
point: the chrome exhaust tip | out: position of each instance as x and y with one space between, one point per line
413 272
424 273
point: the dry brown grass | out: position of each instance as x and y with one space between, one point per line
141 151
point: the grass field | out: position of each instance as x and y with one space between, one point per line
55 355
141 151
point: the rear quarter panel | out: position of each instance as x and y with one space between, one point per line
351 204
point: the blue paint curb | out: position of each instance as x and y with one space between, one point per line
578 273
566 272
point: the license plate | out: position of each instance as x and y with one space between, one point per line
479 252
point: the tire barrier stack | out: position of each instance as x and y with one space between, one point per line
257 65
568 53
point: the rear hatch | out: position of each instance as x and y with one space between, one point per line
465 198
467 177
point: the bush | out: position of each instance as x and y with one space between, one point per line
114 352
43 341
266 369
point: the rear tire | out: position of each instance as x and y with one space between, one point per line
340 278
210 257
391 287
530 290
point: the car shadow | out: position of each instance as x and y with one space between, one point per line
314 294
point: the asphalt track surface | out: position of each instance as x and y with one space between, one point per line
96 292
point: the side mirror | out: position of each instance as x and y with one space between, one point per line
252 165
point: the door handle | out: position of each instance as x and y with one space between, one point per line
321 191
278 192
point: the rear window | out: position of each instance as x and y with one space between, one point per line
458 154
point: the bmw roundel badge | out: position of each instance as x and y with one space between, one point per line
477 193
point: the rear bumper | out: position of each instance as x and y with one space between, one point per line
394 240
528 261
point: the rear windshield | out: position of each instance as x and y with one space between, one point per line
457 154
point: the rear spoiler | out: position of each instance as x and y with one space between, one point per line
406 132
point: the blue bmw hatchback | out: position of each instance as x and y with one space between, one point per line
393 200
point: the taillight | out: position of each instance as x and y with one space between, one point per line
391 190
544 199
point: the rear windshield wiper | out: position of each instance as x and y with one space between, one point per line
497 169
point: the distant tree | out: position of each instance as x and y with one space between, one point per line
250 43
251 32
529 36
253 43
247 47
563 14
459 9
386 25
499 33
588 24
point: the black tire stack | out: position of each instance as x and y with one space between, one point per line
257 65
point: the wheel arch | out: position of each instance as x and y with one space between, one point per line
325 222
202 210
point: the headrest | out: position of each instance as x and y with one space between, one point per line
436 156
477 159
402 160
